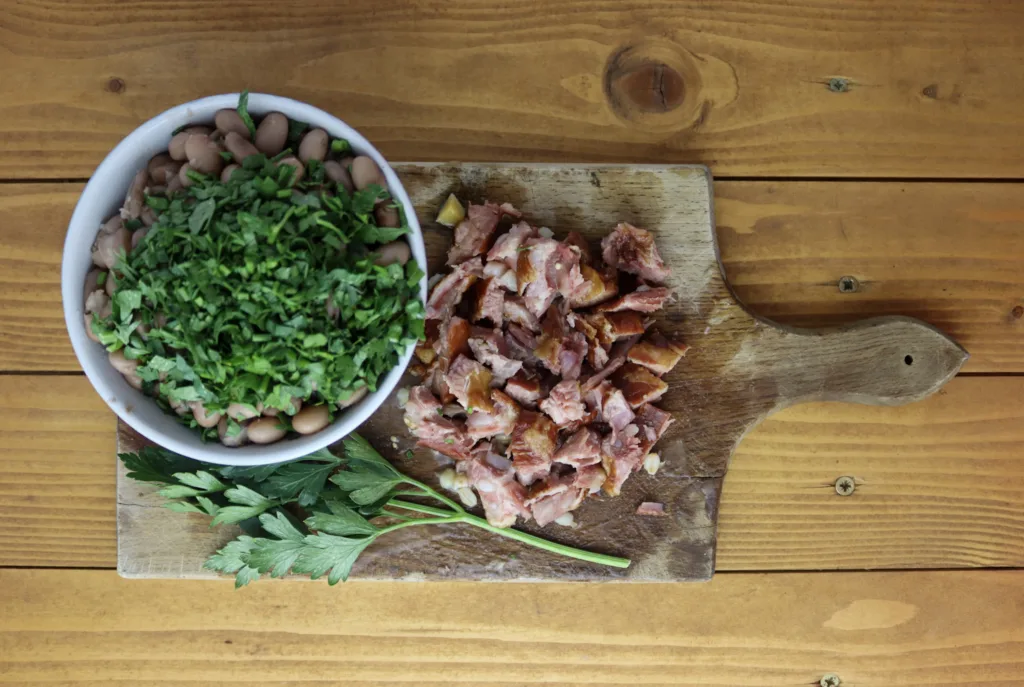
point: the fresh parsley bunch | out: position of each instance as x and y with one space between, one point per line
225 300
314 516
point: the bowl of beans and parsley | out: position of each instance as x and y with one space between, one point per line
243 279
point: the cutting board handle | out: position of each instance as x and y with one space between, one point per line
879 361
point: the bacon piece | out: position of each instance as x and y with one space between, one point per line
611 405
653 422
482 425
473 234
641 300
449 291
525 389
424 419
533 446
564 404
470 382
576 240
489 347
500 494
506 247
638 385
633 250
651 509
582 449
598 287
657 353
621 454
489 303
515 310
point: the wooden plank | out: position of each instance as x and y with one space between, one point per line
947 253
871 629
927 88
940 483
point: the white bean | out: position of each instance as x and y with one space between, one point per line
228 121
314 146
241 411
203 418
365 172
121 363
239 439
396 251
356 397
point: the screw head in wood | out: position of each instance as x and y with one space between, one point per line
848 284
838 84
830 680
845 485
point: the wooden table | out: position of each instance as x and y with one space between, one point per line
850 138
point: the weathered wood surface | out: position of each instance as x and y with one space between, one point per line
882 629
947 253
926 88
739 370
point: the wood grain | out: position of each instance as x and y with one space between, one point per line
940 483
892 629
947 253
928 88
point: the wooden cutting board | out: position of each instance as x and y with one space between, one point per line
740 368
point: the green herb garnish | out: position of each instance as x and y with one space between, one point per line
243 112
346 504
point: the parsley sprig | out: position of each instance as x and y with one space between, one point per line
314 516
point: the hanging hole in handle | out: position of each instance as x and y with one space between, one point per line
909 360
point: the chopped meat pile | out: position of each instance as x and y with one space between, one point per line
540 366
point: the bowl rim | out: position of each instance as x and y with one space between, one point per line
82 218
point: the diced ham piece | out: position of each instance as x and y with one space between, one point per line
533 446
505 276
526 390
515 310
489 301
651 509
470 382
561 351
506 247
449 291
590 478
611 405
653 422
500 494
489 347
621 454
598 287
521 344
647 300
657 354
616 359
473 234
638 384
502 421
576 240
424 419
610 327
452 339
633 250
582 449
550 508
565 403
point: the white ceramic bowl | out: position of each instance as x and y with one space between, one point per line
104 195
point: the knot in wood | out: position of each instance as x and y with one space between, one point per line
647 86
1017 312
116 85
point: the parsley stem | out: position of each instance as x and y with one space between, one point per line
522 537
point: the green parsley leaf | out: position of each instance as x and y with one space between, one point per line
243 112
331 555
300 481
342 520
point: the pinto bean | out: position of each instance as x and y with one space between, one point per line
203 419
183 175
239 147
273 412
110 284
396 251
203 154
162 169
98 302
108 246
311 419
365 172
337 173
240 439
134 381
241 411
266 430
357 396
225 175
228 121
272 134
314 146
121 363
300 169
387 216
92 280
176 148
135 199
88 329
